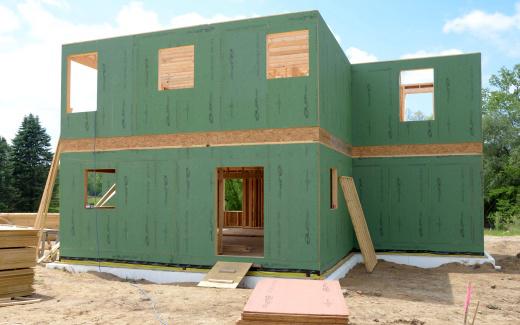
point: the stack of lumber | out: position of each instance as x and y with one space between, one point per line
288 301
17 257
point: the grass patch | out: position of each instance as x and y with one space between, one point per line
511 231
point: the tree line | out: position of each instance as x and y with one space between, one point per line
24 164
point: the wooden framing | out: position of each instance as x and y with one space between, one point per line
88 59
252 214
176 68
287 54
415 88
105 197
41 216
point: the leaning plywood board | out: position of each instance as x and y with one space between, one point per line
358 221
225 275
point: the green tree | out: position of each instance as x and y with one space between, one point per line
5 176
233 189
501 128
31 158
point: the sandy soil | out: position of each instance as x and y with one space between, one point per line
392 294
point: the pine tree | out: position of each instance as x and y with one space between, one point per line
31 158
5 176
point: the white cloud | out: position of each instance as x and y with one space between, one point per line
8 20
193 19
500 29
30 78
356 55
424 54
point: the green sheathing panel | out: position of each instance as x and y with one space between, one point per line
456 96
336 232
165 205
335 104
231 90
422 203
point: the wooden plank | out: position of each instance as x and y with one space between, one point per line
41 217
220 206
358 221
28 219
19 301
16 282
225 275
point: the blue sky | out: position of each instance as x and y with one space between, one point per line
32 31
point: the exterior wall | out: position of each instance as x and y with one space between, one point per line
335 107
165 205
420 203
231 90
336 232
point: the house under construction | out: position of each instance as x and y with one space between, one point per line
155 126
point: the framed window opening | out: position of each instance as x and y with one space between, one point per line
82 82
416 95
100 188
333 188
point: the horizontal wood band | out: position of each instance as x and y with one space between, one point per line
313 134
415 150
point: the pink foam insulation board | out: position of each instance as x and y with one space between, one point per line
303 297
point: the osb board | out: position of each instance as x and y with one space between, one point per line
225 275
11 237
291 297
358 221
404 150
17 258
177 67
16 282
28 219
288 54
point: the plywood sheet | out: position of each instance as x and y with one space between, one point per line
16 282
358 221
295 298
17 258
28 219
288 54
177 67
225 275
12 237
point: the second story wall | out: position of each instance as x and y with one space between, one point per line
456 99
230 88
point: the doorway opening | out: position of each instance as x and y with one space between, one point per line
240 206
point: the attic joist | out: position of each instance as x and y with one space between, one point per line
313 134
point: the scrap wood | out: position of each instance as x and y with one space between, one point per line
18 301
50 254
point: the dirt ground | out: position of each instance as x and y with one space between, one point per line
392 294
